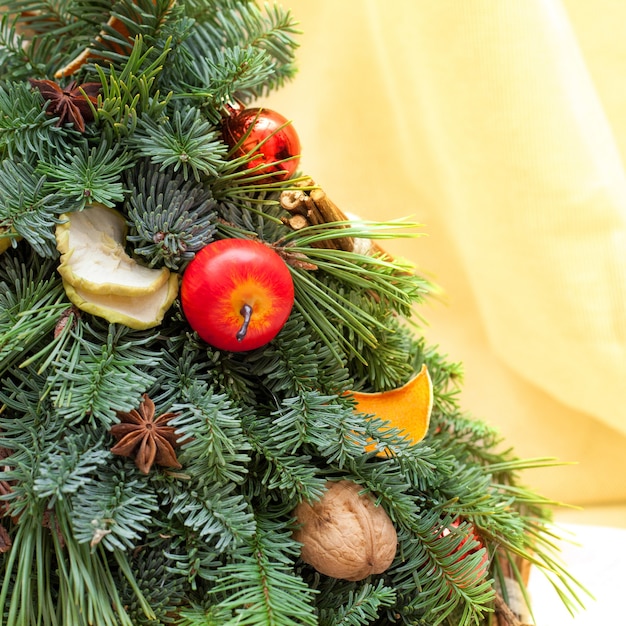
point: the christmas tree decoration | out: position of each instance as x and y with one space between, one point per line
146 437
275 444
267 140
100 277
344 534
406 409
72 104
237 294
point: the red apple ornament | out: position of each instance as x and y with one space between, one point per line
269 136
237 294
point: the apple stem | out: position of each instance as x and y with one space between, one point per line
246 311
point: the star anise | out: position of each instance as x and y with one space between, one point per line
145 437
68 102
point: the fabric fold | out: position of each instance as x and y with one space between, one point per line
529 178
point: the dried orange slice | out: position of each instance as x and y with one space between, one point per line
406 408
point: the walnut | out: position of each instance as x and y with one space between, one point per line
344 534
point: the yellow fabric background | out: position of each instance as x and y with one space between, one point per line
500 125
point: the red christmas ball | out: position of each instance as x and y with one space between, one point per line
237 294
269 137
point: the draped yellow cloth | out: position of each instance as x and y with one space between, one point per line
501 126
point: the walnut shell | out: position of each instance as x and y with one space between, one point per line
344 534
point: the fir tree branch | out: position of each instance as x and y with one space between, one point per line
87 175
362 606
131 92
226 26
191 561
294 478
321 424
445 572
86 580
109 372
51 16
172 218
217 513
110 30
26 131
259 586
234 71
294 362
113 509
27 209
392 361
186 142
163 591
31 301
215 450
66 469
446 377
23 57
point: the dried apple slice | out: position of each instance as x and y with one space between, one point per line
93 258
406 408
101 279
138 312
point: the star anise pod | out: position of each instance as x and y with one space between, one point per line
68 102
145 437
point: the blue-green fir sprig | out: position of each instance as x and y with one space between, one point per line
113 508
86 175
259 585
217 513
246 52
31 301
171 218
27 209
26 131
231 75
214 449
110 370
186 142
363 605
22 57
66 469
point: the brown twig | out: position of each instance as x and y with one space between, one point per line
505 615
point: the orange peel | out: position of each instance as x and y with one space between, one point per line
77 62
83 57
405 408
